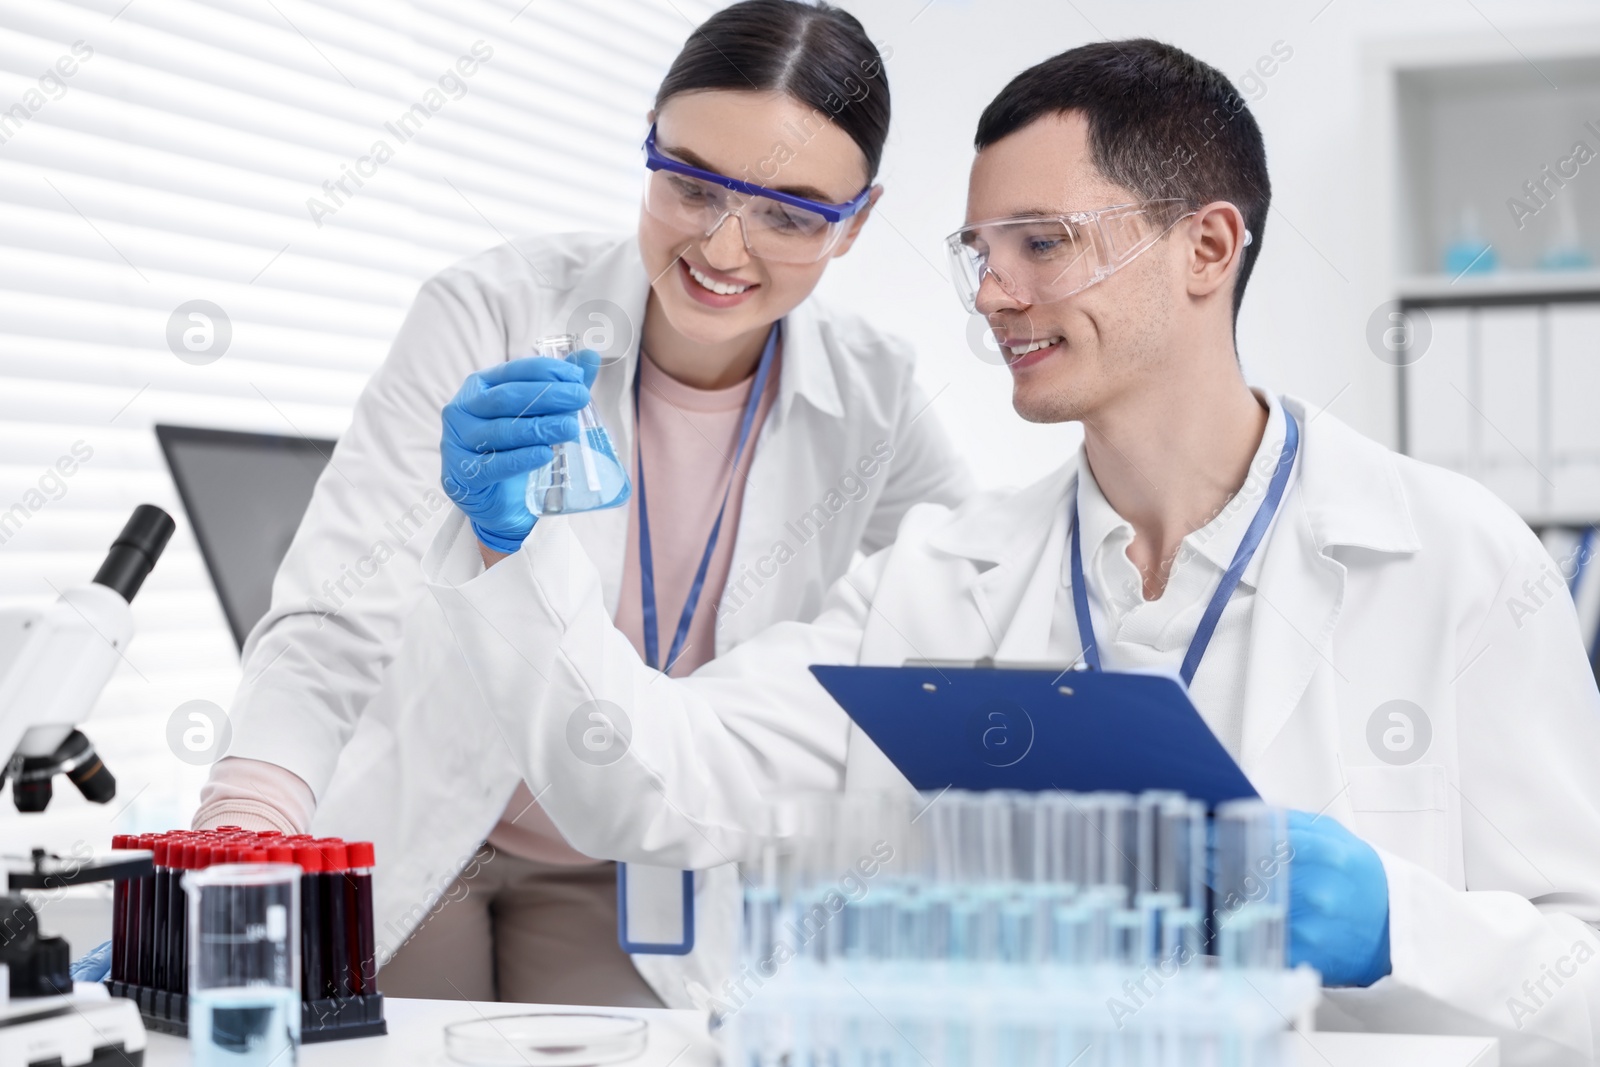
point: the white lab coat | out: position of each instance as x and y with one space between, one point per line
1383 578
846 449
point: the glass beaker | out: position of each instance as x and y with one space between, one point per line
244 964
585 474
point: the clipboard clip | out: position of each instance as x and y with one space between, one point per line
989 663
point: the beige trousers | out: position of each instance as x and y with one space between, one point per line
521 931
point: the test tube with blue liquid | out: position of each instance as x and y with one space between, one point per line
582 475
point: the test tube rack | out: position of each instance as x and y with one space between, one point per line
1007 929
149 944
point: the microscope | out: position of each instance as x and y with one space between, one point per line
54 663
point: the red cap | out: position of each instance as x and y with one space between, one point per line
280 854
201 858
301 837
160 849
179 854
147 841
360 854
119 841
255 855
333 854
228 829
270 833
309 857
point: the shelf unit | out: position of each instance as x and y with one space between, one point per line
1462 126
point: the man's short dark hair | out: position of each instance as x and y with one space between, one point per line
1161 123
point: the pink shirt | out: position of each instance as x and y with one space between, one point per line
687 438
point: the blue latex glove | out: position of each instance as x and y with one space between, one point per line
93 967
499 428
1338 903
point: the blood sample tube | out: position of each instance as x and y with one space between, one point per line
163 904
204 851
147 919
309 858
182 858
335 919
119 919
358 909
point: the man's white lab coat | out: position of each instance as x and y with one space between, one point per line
846 449
1382 579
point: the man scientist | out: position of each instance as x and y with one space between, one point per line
1116 207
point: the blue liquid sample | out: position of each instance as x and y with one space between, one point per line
244 1026
585 474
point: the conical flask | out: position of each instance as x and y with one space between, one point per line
584 475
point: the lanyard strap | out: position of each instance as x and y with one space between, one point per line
647 570
1253 536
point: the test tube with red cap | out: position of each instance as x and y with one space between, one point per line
163 904
147 919
335 918
358 907
309 857
359 930
119 918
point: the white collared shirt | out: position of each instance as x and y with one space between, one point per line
1139 634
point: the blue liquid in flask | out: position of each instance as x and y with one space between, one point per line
584 475
244 1026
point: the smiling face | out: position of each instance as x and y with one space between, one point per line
711 289
1073 357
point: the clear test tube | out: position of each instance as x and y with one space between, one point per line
1030 836
872 825
1066 831
1252 884
1182 940
763 888
1130 937
1113 840
1069 938
1171 865
936 833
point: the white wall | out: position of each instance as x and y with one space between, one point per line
1321 272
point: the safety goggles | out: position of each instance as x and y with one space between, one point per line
1039 259
776 226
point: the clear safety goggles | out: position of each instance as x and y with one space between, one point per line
1039 259
776 226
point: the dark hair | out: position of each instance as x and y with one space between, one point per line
1161 123
816 53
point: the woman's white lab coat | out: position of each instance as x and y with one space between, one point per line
846 449
1382 579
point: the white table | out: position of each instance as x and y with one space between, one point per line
416 1037
679 1039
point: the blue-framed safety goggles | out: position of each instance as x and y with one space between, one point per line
776 225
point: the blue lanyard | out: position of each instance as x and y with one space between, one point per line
647 570
1230 578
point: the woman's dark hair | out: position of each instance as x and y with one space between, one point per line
1161 123
818 54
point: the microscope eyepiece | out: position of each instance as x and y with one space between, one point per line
136 550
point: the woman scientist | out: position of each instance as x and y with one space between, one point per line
769 438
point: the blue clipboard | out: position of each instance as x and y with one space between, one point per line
982 727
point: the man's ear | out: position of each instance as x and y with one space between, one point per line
1217 237
856 223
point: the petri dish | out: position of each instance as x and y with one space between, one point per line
545 1039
